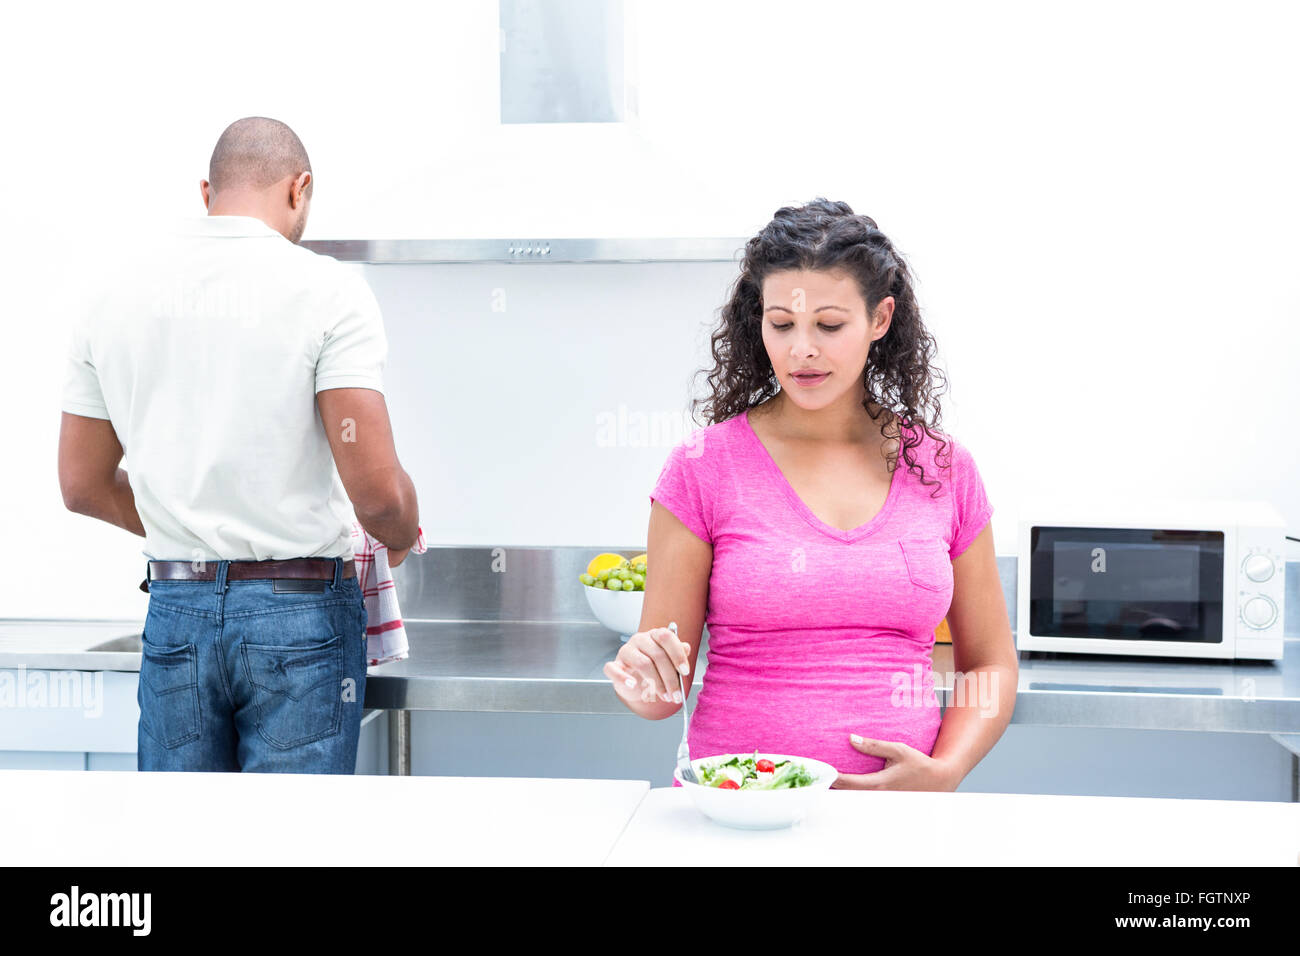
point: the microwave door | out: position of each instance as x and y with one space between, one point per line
1123 585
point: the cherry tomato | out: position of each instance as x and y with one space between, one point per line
728 785
765 766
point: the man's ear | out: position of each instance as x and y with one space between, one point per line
204 187
298 191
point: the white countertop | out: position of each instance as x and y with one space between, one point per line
115 818
900 828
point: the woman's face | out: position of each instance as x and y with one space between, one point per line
817 321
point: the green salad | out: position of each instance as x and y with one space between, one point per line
751 773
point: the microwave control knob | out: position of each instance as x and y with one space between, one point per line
1259 567
1259 612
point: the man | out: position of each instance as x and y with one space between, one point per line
230 365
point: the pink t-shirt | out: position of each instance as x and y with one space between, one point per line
816 632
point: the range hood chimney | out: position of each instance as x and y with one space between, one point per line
566 62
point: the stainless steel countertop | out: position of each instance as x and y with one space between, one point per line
555 667
66 645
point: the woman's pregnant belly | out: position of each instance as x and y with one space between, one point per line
808 704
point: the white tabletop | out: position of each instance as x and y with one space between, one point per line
111 818
899 828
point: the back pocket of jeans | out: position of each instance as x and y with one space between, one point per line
297 690
169 693
928 564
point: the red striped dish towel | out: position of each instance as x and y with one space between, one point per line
385 635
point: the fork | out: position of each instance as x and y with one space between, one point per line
684 751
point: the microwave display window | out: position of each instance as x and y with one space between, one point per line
1126 584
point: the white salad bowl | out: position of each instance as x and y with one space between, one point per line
758 809
618 610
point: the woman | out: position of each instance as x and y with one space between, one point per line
820 561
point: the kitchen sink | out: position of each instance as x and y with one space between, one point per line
130 643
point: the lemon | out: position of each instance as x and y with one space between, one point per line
603 562
639 559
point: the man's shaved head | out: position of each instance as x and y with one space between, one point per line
257 152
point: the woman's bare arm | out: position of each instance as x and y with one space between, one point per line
984 655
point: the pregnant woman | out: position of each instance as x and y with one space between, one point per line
823 530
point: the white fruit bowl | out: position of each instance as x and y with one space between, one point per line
618 610
758 809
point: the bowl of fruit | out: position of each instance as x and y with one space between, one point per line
615 589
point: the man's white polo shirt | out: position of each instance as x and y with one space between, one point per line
206 352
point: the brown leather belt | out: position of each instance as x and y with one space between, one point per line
303 569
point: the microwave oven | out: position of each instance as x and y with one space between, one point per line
1165 578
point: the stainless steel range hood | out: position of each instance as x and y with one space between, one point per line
555 155
531 250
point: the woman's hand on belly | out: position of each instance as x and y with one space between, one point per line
906 768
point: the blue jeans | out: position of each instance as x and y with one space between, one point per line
251 675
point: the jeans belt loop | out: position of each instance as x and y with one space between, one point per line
338 573
223 568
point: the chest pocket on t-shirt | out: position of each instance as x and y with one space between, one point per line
928 565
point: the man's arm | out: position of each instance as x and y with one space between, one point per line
361 439
89 478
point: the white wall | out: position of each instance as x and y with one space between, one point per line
1099 201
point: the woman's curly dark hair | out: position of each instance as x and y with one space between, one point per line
824 235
